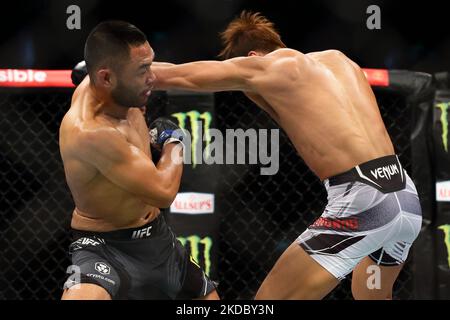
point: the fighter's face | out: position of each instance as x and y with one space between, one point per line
134 79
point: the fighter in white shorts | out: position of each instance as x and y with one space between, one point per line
373 210
326 106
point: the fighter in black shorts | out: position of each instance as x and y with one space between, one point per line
138 263
122 247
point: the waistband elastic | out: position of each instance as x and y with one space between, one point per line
141 232
385 174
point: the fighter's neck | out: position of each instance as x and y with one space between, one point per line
114 111
105 105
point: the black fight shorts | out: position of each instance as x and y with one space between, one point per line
138 263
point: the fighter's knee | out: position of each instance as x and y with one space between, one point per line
213 295
263 293
85 291
360 291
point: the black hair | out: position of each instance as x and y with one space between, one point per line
109 44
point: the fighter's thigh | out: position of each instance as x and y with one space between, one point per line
85 291
296 276
373 282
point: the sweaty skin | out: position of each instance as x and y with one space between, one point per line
322 100
105 147
108 164
327 108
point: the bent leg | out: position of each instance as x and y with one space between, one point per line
85 291
364 288
210 296
296 276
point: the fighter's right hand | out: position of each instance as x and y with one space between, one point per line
164 131
79 72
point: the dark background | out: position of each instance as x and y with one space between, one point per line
413 35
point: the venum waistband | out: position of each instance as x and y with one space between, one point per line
385 174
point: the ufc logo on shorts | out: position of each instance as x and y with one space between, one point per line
139 234
87 241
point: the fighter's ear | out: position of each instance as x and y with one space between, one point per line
256 54
104 77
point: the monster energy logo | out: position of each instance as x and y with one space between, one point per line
239 145
446 229
196 119
199 245
444 122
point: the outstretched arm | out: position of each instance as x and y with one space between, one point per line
162 64
236 74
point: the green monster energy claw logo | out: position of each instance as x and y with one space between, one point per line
196 119
444 122
446 229
196 246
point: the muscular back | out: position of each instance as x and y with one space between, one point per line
326 106
322 100
101 205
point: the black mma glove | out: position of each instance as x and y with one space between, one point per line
164 131
78 73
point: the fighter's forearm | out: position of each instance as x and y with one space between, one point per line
206 76
184 76
158 64
170 169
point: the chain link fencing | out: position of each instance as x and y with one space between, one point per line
35 204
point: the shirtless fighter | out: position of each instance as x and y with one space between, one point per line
327 108
122 247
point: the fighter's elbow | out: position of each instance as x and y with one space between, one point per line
158 201
167 199
164 198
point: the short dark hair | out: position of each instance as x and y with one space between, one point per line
109 43
250 31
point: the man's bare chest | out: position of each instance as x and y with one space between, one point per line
135 131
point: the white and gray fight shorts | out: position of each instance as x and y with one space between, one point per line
373 210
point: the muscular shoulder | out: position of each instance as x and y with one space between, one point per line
326 53
93 138
284 52
286 56
331 55
287 62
